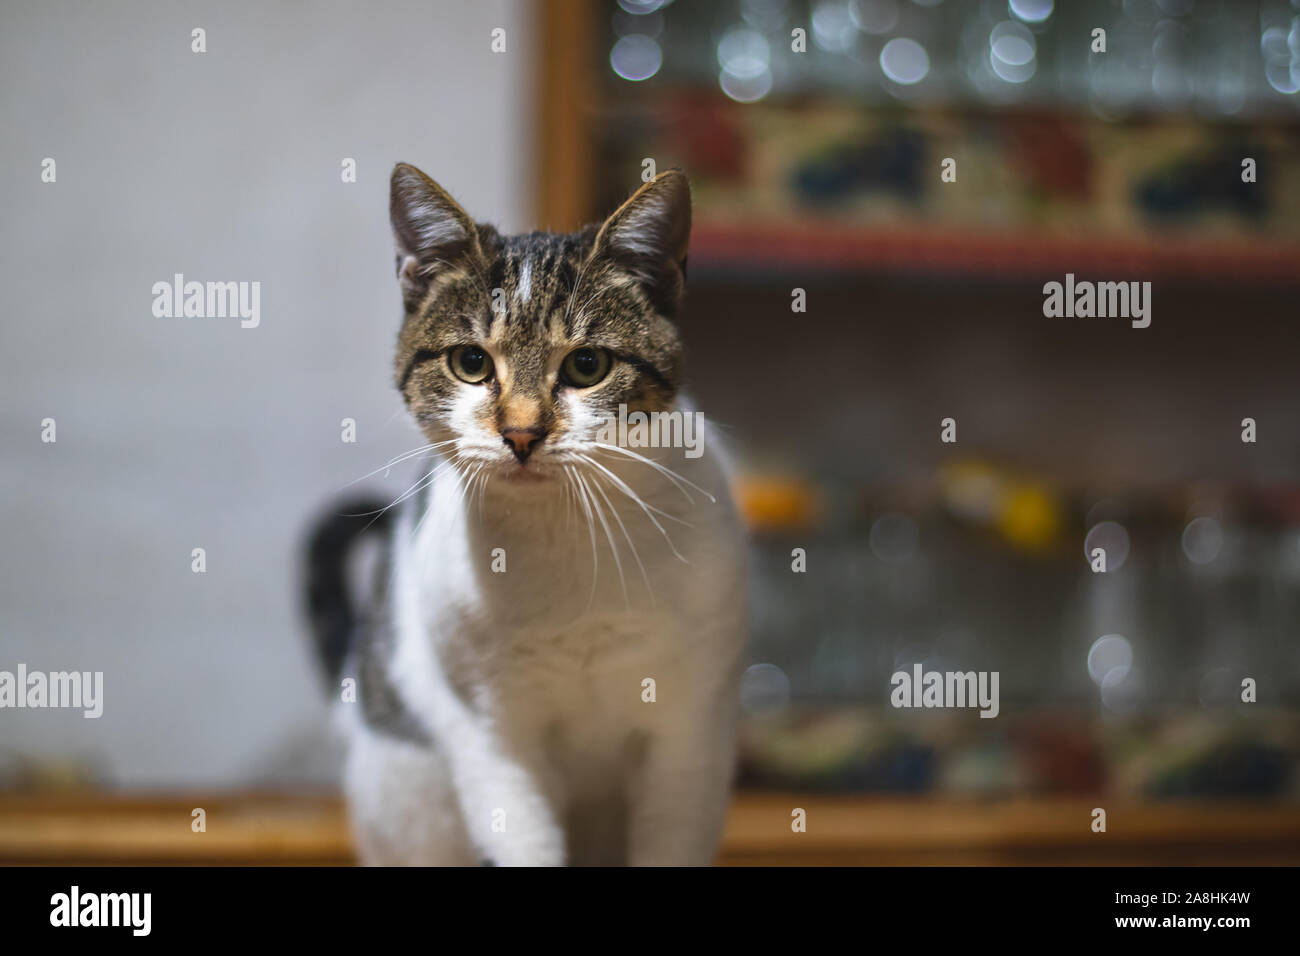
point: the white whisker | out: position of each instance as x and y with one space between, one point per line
648 509
420 483
482 493
591 529
462 494
433 478
613 548
404 456
672 476
628 490
630 543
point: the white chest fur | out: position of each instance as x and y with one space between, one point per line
540 646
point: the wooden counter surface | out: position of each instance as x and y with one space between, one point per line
311 829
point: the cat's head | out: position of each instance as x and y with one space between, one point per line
517 348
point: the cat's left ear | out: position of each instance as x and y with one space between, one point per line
648 236
431 230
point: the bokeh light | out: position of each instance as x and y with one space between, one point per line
1012 52
874 16
1032 11
746 89
1110 656
743 52
832 26
904 61
1202 540
636 57
1112 538
764 689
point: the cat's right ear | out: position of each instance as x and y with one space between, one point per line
431 231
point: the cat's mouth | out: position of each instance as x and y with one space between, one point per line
526 473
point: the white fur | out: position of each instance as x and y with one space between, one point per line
434 225
530 681
525 288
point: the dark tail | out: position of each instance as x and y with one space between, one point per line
333 618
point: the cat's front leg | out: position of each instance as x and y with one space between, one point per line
508 812
678 799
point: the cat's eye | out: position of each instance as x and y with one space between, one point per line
585 367
470 364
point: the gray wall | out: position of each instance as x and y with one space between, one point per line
183 433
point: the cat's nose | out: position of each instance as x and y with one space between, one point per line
522 441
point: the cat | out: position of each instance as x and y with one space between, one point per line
547 670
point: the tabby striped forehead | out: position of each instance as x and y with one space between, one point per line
536 274
528 296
